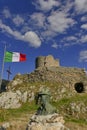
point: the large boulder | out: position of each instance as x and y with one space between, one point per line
12 99
46 122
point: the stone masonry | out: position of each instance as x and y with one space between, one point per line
46 61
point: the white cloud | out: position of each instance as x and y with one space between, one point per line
30 36
71 38
46 5
66 6
84 38
81 6
33 38
70 41
59 22
50 25
83 56
6 13
84 26
18 20
25 28
84 18
54 45
67 44
38 19
48 34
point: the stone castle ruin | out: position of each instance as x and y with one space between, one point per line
75 76
48 69
46 61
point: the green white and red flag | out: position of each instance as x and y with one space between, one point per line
14 57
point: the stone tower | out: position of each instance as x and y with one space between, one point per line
46 61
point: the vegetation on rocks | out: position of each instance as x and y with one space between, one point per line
63 106
70 103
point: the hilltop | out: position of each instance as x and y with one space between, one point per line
67 85
49 70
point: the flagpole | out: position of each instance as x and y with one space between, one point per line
2 67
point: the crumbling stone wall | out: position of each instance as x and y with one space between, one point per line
46 61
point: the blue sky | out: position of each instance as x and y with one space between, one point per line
43 27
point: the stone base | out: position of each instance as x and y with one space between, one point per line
46 122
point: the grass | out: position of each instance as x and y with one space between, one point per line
79 121
76 98
6 114
27 86
64 103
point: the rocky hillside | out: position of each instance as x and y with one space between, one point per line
62 82
68 88
63 76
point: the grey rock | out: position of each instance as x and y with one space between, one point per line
46 122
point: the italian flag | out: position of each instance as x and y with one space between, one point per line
14 57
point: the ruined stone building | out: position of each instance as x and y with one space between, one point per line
47 61
48 69
69 75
